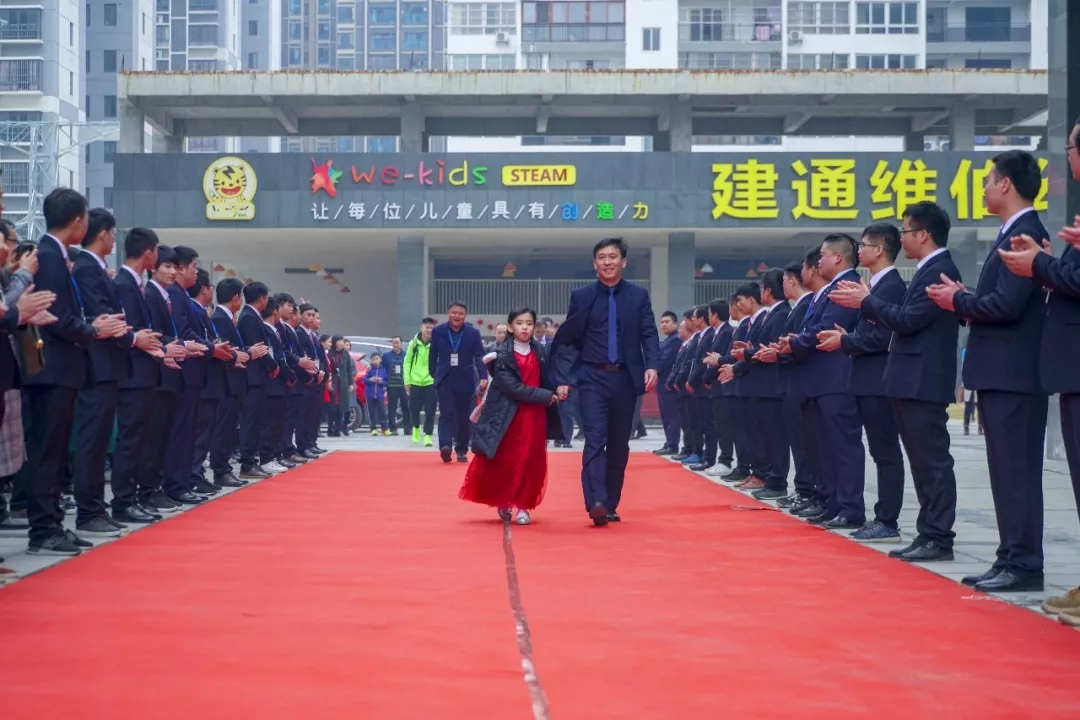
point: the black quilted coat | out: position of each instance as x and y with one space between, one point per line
507 391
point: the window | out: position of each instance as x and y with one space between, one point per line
144 23
110 14
108 198
827 61
886 62
324 31
483 62
110 61
346 62
414 40
346 40
110 106
202 65
202 34
87 158
988 63
573 21
887 18
110 150
345 14
483 18
253 28
87 14
382 14
382 62
731 60
819 18
381 41
71 83
252 60
162 34
382 144
414 13
295 31
87 107
650 39
87 61
16 177
71 34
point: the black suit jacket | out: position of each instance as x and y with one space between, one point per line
758 379
253 331
277 385
1061 332
294 350
922 350
698 368
638 336
110 360
190 327
145 370
162 321
66 340
721 345
686 365
309 348
790 379
869 344
1006 314
216 386
236 378
669 353
740 333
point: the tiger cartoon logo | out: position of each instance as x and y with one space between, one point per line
229 185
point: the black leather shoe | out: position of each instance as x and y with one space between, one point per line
599 515
824 517
134 515
462 457
1009 581
841 523
308 454
900 552
680 457
698 467
613 517
664 451
149 511
973 580
187 498
811 510
769 494
446 454
929 551
228 480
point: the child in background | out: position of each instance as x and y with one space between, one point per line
376 380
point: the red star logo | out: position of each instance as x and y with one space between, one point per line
325 177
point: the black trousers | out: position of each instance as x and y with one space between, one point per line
774 454
708 427
396 398
310 418
842 456
134 407
744 454
695 437
682 403
423 398
798 418
923 428
454 425
223 435
723 423
1015 428
251 423
1070 431
95 410
157 442
607 419
182 441
47 452
270 433
883 441
204 431
290 429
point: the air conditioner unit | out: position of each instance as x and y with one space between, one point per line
794 37
502 38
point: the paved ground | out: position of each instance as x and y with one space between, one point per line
976 528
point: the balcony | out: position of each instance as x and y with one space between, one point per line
567 33
715 32
20 24
980 33
22 75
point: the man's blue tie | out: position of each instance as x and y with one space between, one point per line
612 328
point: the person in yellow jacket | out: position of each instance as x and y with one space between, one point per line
419 383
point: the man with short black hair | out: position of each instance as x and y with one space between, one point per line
668 400
302 364
260 370
397 398
419 384
273 416
456 363
223 437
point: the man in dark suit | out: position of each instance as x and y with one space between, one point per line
761 375
456 364
216 387
613 348
260 371
700 382
1060 341
669 407
741 469
307 428
135 396
179 484
920 375
299 357
719 402
801 281
277 388
52 392
110 362
825 376
868 347
686 333
692 428
223 437
1006 314
170 384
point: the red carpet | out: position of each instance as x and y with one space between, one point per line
360 587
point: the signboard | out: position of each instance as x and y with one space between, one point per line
521 190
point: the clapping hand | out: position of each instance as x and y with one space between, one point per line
259 350
223 351
766 355
829 340
1020 258
727 373
110 326
175 351
849 293
30 303
1071 235
147 340
782 346
943 293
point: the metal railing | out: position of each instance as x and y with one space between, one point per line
980 33
20 75
497 297
20 24
750 32
569 32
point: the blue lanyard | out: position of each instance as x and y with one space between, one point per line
78 295
199 308
455 345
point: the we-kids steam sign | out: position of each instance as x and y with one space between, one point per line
426 174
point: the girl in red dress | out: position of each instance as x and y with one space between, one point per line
509 465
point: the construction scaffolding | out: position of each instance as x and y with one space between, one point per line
42 144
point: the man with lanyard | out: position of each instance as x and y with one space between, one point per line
396 395
456 363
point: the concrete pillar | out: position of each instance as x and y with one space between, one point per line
962 129
413 134
132 137
679 135
658 279
168 143
1063 55
681 261
914 142
412 284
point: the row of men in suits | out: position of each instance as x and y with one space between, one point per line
182 382
804 361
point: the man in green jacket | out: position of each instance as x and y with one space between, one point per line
419 384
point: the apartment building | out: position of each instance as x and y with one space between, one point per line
742 35
40 81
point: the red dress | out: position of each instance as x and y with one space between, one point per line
517 476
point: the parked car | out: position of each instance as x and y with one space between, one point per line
362 348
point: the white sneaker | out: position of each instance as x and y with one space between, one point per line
717 470
522 517
274 468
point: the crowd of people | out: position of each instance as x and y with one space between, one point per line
793 368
